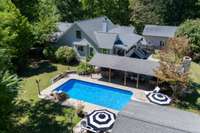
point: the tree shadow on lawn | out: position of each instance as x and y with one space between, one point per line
44 117
191 101
43 66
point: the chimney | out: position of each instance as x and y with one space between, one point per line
105 25
186 63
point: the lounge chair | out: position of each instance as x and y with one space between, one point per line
85 128
156 90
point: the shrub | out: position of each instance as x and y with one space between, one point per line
84 68
49 52
79 110
65 55
62 97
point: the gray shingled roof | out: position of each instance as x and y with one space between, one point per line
123 29
129 39
122 63
93 29
138 117
63 26
161 31
91 25
105 39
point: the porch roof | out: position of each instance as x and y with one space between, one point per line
127 64
82 42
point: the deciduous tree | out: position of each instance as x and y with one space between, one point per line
171 69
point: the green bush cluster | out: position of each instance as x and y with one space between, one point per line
49 53
84 68
65 55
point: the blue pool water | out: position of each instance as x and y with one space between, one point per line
97 94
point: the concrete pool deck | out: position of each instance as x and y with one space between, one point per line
138 95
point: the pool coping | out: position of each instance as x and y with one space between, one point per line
138 95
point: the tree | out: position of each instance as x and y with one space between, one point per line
170 69
191 29
177 11
42 16
28 8
117 10
9 85
70 10
45 24
144 12
168 12
15 33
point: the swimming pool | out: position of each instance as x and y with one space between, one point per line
96 94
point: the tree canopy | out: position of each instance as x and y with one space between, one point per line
171 69
15 33
191 29
168 12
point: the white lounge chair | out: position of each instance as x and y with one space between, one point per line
85 128
156 90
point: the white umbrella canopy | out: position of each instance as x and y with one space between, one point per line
158 98
101 120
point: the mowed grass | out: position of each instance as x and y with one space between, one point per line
44 72
195 72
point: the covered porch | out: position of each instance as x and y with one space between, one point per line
128 71
83 48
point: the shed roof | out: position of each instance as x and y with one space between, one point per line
123 29
138 117
160 31
123 63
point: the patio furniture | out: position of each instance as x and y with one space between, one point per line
59 95
158 98
85 128
156 90
101 120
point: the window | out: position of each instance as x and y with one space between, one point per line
80 48
105 51
78 34
162 43
91 51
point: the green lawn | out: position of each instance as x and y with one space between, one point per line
35 115
44 72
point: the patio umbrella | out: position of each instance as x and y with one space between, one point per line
158 98
101 120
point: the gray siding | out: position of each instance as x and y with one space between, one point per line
69 38
155 41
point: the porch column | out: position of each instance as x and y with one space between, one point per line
137 85
109 75
157 82
125 73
